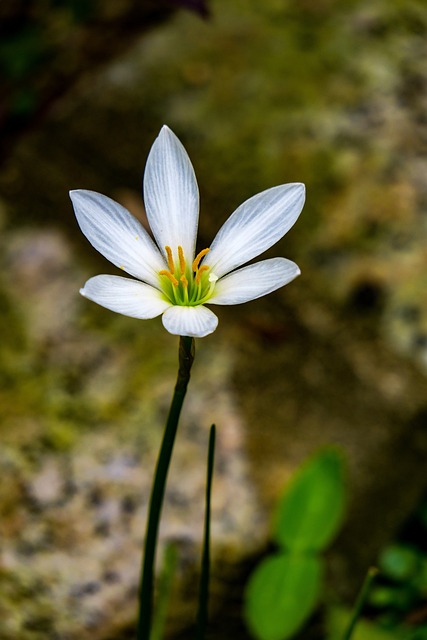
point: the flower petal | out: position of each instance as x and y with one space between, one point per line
126 296
171 195
115 233
255 226
195 322
254 281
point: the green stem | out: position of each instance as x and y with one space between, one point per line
186 357
361 599
165 581
202 614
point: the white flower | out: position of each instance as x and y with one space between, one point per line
172 279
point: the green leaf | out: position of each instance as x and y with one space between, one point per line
310 513
399 562
418 634
281 594
393 597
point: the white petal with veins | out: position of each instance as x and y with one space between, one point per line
195 322
126 296
255 226
171 194
254 281
115 233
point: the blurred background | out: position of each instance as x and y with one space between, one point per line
328 93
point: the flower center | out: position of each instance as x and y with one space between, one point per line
184 284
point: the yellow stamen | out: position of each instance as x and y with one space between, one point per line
169 275
184 281
197 259
181 259
171 264
204 267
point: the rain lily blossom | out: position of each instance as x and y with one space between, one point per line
172 280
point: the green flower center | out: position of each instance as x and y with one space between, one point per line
187 286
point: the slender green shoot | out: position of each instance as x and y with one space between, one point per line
202 613
186 357
360 602
165 588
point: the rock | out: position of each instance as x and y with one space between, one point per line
48 486
321 385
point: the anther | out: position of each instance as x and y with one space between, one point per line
169 275
197 259
203 268
184 281
171 264
181 259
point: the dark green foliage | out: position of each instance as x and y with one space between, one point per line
398 600
285 588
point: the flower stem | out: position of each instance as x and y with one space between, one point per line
202 613
186 357
360 601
